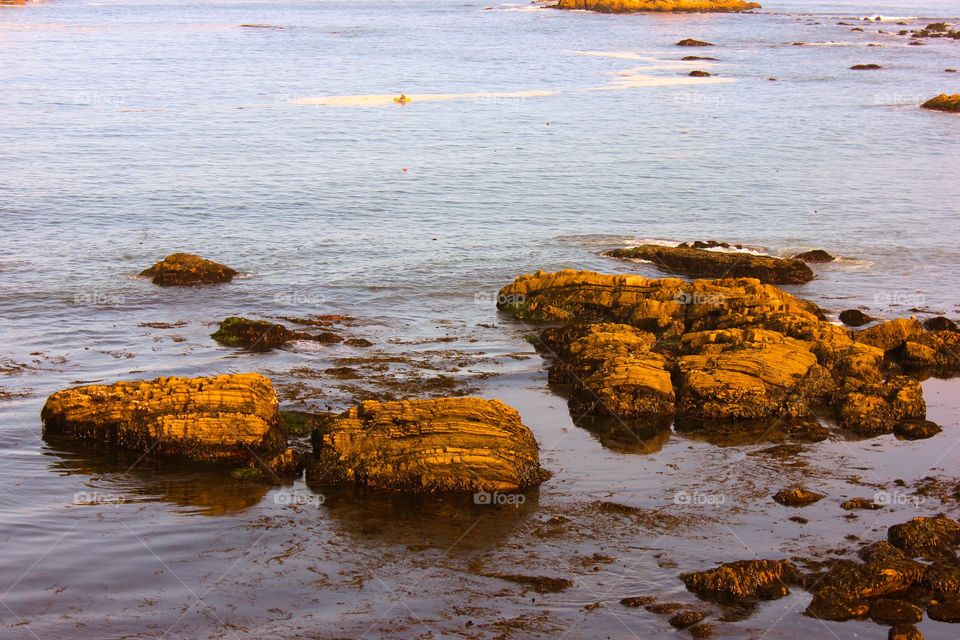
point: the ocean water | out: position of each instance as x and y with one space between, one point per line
535 139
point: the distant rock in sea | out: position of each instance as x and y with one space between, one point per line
638 6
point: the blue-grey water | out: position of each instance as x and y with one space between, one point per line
535 139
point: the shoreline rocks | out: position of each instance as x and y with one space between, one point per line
943 102
229 417
446 444
725 354
815 256
186 269
702 263
657 6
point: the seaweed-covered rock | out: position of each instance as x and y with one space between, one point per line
943 578
854 318
696 73
904 632
814 256
743 580
945 611
917 429
261 335
686 618
797 497
445 444
891 611
878 408
845 590
640 6
186 269
944 102
703 263
231 417
860 503
927 537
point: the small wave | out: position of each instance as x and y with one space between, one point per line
618 55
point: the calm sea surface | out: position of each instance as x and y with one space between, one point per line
535 139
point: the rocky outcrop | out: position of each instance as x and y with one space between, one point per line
723 351
446 444
186 269
815 256
944 102
230 417
743 580
703 263
854 318
261 335
639 6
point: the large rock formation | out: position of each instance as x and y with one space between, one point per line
716 351
446 444
944 102
703 263
186 269
634 6
232 417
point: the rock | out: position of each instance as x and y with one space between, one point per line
638 6
797 497
692 58
904 632
540 584
445 444
927 537
917 429
939 323
690 42
685 618
186 269
943 578
743 580
890 335
832 604
699 74
944 102
612 372
945 611
891 612
854 318
865 67
843 592
860 503
701 631
261 335
637 601
878 408
232 417
701 263
358 342
816 256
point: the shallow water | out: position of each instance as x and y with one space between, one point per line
134 129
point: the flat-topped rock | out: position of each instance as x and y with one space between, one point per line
445 444
186 269
703 263
231 417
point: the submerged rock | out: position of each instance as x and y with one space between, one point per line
854 318
797 497
699 74
186 269
944 102
446 444
639 6
691 58
701 263
261 335
927 537
860 503
917 429
865 67
904 632
743 580
685 618
815 256
233 417
691 42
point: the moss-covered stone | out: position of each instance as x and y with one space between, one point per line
186 269
944 102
